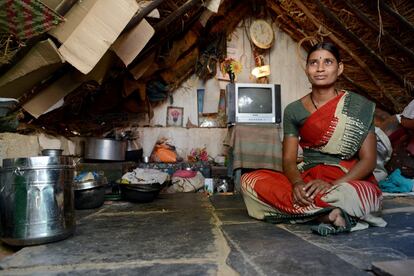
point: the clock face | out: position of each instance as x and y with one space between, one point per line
261 33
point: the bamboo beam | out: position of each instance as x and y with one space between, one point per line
403 81
176 14
342 45
372 25
397 16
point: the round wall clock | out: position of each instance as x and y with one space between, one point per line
261 33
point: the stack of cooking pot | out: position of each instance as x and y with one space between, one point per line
117 146
36 199
142 185
140 192
89 194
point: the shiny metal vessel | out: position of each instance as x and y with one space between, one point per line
105 149
36 200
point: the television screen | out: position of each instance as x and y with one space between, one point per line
253 103
255 100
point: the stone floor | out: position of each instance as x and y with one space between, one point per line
192 234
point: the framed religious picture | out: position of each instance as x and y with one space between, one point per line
175 116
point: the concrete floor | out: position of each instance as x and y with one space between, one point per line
192 234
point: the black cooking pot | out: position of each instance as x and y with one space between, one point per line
140 192
89 194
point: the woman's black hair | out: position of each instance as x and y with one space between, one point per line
328 46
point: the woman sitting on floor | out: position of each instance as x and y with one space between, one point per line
334 183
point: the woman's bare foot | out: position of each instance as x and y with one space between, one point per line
335 217
332 223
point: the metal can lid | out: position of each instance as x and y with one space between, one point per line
38 162
89 184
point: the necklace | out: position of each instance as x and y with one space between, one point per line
313 102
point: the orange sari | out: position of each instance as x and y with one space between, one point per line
268 194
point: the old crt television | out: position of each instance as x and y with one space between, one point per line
253 103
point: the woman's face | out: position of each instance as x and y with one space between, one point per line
323 69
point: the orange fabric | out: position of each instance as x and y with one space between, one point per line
275 189
317 128
164 154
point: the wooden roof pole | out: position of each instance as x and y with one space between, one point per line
177 13
341 45
397 16
156 40
371 24
362 89
403 81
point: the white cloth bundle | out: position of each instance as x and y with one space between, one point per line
145 176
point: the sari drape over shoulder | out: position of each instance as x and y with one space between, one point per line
331 138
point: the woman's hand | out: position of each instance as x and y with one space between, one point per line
316 186
299 194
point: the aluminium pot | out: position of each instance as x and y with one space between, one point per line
36 200
105 149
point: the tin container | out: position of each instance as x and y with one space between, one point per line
36 200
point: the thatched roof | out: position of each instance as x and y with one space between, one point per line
376 39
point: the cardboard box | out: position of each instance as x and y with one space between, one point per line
90 29
52 96
130 44
37 65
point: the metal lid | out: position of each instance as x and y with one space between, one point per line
38 162
52 152
89 184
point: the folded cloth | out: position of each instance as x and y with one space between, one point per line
384 151
396 183
184 173
408 111
186 184
324 229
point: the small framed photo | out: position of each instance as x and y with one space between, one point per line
175 116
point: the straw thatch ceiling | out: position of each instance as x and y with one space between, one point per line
376 39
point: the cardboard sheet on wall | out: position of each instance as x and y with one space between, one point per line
91 28
42 60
